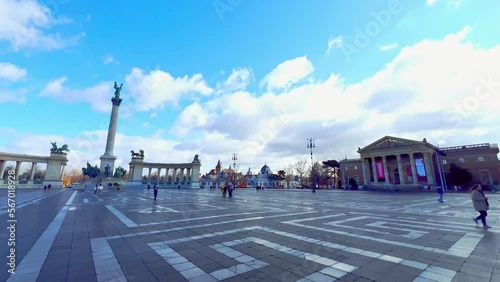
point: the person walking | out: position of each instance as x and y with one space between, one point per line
440 192
155 190
230 190
224 190
480 203
100 188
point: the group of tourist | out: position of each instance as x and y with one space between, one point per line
227 188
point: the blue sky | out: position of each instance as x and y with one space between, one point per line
176 59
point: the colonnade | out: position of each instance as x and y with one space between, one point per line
55 165
370 168
187 174
179 174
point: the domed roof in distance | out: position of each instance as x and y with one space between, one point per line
265 170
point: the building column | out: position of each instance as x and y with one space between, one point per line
374 169
62 172
32 173
413 169
2 168
402 179
429 170
158 175
188 173
363 167
386 171
174 175
130 173
149 174
18 167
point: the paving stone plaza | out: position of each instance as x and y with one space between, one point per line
270 235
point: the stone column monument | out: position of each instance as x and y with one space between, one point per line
108 159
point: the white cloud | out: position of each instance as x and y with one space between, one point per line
18 96
153 90
288 73
414 96
430 2
388 47
449 3
24 23
237 80
98 96
334 42
11 72
454 3
437 89
108 59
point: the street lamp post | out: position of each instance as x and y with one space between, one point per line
234 169
443 180
310 145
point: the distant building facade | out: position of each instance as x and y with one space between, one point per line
391 162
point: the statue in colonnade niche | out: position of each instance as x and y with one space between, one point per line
169 178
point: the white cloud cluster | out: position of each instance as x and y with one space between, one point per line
150 91
288 73
334 42
10 73
98 95
444 90
238 80
23 24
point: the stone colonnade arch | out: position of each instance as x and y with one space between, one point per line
185 175
56 164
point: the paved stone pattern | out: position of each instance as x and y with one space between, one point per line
270 235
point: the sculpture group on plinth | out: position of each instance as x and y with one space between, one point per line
60 150
137 155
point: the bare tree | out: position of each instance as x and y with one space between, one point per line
301 167
289 175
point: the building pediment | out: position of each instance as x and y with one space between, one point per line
390 142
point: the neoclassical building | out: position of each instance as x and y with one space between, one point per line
393 162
